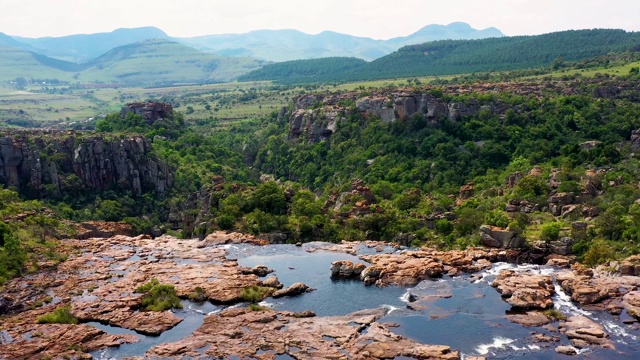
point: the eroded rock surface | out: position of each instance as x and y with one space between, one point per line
525 290
264 334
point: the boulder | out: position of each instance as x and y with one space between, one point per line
525 290
564 246
583 331
496 237
293 290
346 269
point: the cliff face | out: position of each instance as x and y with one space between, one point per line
41 163
316 116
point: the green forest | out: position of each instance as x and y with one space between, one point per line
447 57
417 180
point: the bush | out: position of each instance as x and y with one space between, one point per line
159 297
61 315
599 253
253 294
198 295
497 218
550 231
554 314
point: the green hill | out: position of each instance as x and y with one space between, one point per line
85 47
300 71
150 62
466 56
15 63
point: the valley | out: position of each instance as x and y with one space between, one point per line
442 201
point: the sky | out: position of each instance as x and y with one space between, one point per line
378 19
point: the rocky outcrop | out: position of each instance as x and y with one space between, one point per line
345 269
150 111
583 332
524 290
242 333
496 237
293 290
314 124
46 163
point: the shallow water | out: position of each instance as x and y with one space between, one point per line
471 320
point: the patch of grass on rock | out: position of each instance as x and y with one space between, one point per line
61 315
159 297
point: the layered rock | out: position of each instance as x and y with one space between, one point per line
63 162
243 333
583 332
525 290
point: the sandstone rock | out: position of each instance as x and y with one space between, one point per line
241 333
258 270
529 319
562 198
524 290
584 288
630 266
346 269
293 290
410 269
566 350
272 282
581 329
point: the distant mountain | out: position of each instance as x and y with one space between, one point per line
453 31
448 57
149 62
284 45
85 47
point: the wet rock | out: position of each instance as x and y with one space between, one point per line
243 333
631 301
258 270
9 305
583 331
566 350
272 282
293 290
406 269
529 319
584 288
346 269
524 290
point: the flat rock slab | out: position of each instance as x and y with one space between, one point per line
244 333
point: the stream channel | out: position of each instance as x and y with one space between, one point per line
472 320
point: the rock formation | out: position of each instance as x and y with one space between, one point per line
40 163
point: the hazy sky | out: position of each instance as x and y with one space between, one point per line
380 19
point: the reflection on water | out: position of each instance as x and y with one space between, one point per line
464 314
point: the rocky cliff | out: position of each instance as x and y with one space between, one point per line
316 116
46 163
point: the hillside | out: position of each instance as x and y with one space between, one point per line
150 62
85 47
18 63
284 45
468 56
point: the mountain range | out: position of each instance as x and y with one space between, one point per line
269 45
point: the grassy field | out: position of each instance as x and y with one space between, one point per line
219 105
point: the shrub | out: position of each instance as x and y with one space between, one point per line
554 314
256 307
497 218
253 294
159 297
61 315
599 253
550 231
198 295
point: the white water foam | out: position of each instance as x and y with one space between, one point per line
618 331
563 303
266 304
389 308
498 343
405 297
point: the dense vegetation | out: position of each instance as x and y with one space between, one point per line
250 176
462 56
